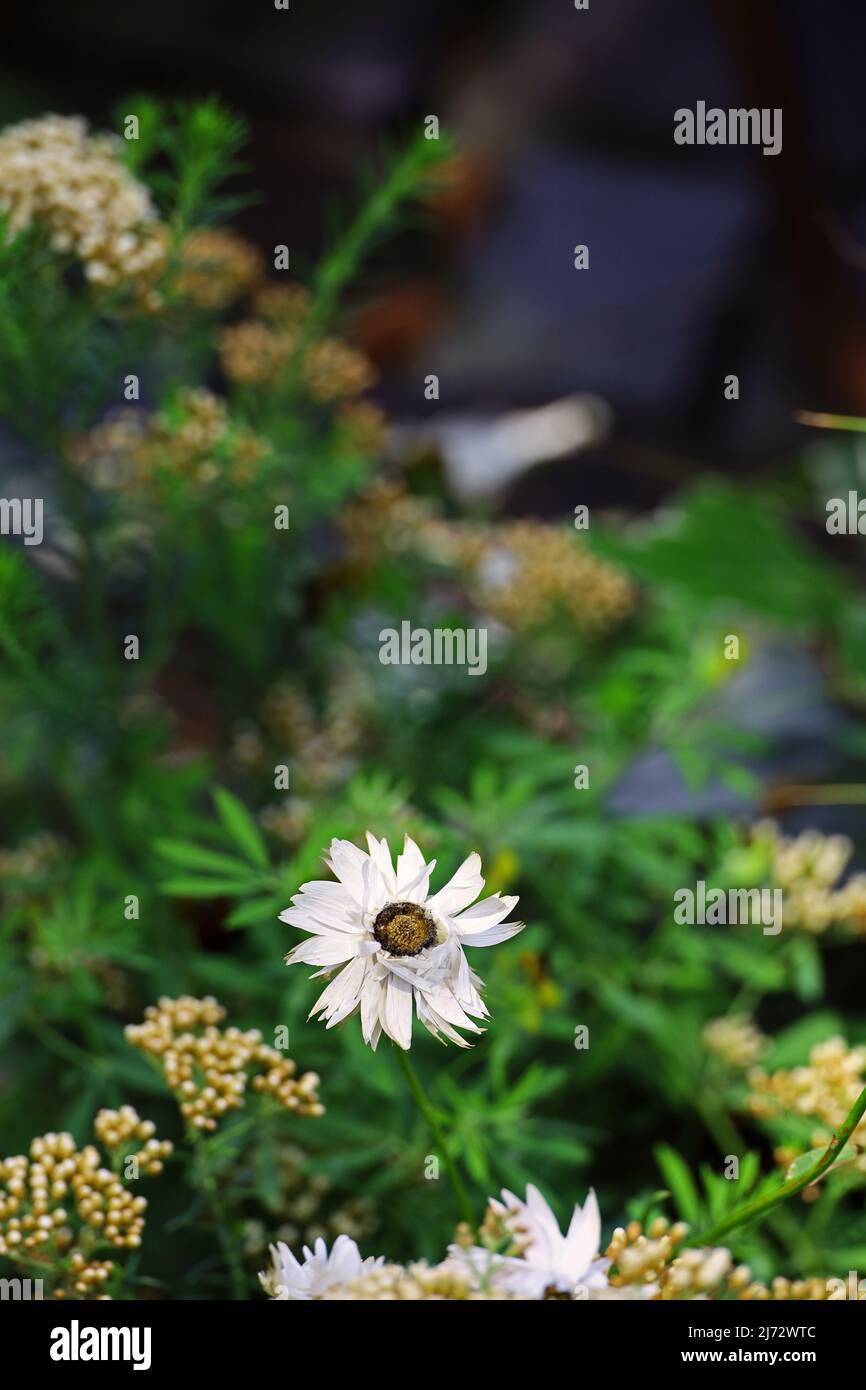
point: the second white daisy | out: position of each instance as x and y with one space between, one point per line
545 1263
393 944
288 1280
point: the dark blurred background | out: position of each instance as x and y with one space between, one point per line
703 261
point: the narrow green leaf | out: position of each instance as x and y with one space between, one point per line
678 1178
241 827
186 854
249 914
205 887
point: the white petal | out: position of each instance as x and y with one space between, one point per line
381 857
317 920
395 1013
342 994
443 1002
371 1004
494 935
324 890
410 864
508 1203
435 1024
376 892
345 1259
460 890
417 888
583 1236
348 862
522 1278
541 1213
323 950
284 1257
484 914
466 984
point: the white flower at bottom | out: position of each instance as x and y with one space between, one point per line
288 1279
392 943
550 1264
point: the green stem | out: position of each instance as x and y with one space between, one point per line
403 179
210 1188
759 1206
720 1127
429 1114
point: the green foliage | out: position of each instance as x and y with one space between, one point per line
156 777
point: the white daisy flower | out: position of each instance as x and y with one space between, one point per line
288 1279
393 942
550 1264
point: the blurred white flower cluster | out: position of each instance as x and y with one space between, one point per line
54 171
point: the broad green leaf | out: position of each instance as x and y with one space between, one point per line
801 1165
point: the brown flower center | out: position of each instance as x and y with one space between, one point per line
404 929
